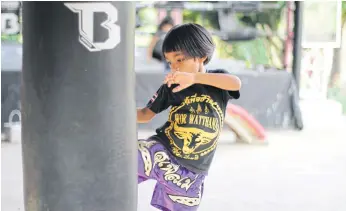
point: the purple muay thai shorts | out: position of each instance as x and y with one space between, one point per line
177 188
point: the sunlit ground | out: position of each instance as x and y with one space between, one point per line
300 171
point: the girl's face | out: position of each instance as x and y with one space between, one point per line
179 62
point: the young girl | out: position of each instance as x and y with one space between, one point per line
179 155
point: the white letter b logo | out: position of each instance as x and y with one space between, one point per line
86 24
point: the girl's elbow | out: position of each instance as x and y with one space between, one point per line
236 85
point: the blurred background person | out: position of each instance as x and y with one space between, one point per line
154 49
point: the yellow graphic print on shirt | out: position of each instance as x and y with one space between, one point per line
194 127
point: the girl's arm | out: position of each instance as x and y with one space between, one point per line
223 81
144 115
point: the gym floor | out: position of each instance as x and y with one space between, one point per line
300 171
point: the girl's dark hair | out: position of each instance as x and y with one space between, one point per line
166 21
191 39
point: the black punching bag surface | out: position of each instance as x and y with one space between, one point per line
79 136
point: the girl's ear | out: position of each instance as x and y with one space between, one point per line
201 60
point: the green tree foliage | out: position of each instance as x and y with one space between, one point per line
344 12
267 50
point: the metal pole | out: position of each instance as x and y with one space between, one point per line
288 40
297 41
78 107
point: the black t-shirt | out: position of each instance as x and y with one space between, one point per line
194 123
